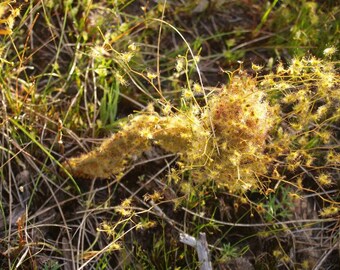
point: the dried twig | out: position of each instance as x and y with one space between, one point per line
201 247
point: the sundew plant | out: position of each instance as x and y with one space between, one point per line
239 133
222 141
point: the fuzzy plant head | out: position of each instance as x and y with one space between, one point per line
241 119
240 115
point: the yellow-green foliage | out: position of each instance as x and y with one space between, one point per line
7 17
229 154
307 98
305 24
227 140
